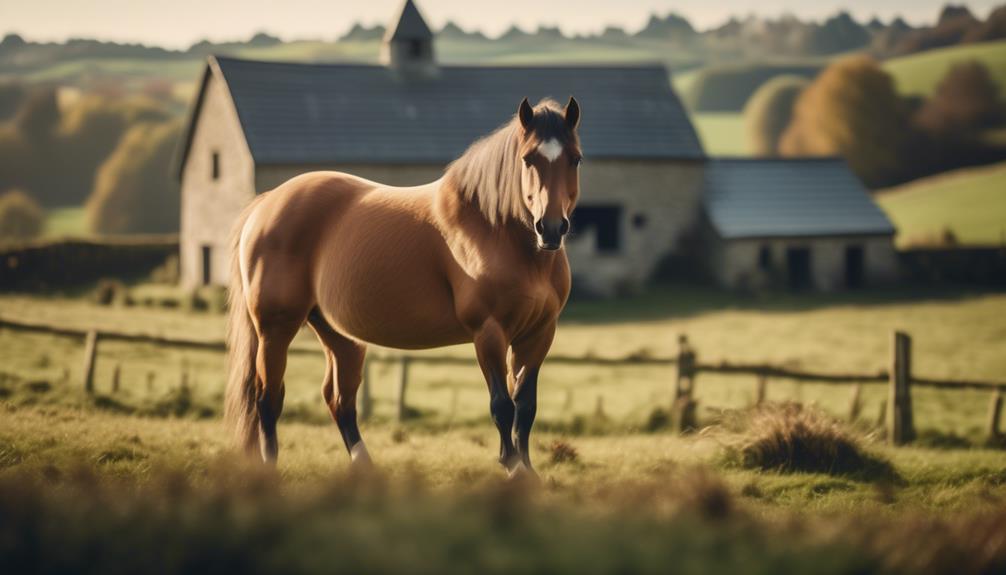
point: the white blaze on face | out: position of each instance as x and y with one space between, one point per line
550 150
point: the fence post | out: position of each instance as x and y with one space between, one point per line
365 404
900 429
90 351
995 413
116 374
686 369
856 402
403 383
761 389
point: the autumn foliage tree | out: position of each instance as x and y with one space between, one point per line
853 110
134 190
768 112
965 101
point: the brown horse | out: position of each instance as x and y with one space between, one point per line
476 256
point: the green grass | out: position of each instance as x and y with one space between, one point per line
956 335
146 478
722 133
919 74
970 202
66 223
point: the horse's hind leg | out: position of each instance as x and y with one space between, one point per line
344 373
275 336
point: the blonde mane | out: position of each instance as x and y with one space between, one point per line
488 174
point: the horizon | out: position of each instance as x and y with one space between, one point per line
186 22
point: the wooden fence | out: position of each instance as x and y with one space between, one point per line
896 413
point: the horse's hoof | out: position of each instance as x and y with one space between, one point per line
523 474
360 458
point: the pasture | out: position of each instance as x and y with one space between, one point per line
970 203
613 478
918 74
620 490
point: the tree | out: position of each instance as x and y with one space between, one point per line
965 101
853 110
134 190
20 216
768 112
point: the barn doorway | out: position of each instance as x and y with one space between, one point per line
207 265
798 269
854 259
606 222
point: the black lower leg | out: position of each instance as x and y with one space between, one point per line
346 420
269 410
526 407
502 409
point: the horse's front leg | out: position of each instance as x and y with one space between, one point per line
525 363
490 348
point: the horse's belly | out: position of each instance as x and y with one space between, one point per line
390 296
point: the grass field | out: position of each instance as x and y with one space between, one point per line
919 74
970 202
66 223
146 478
722 133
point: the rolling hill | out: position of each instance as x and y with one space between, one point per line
970 202
919 74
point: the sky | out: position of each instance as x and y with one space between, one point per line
179 23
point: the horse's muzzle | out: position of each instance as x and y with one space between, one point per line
550 232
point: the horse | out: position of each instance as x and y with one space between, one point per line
474 257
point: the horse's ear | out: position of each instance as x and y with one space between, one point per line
525 113
572 113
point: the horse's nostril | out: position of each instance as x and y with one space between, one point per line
539 227
564 227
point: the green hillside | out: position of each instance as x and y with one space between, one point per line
919 73
970 202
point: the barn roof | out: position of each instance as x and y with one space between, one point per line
342 113
747 198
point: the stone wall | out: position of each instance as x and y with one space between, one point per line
736 262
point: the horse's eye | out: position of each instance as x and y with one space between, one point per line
575 160
527 160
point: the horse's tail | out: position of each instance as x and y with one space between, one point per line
240 411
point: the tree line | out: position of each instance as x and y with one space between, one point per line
111 154
852 109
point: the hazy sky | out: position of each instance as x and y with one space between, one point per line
178 23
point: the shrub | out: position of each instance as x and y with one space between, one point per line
768 112
134 191
790 438
20 216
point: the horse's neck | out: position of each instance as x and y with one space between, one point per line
464 223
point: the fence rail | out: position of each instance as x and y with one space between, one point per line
901 380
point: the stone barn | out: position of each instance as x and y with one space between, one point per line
795 223
256 124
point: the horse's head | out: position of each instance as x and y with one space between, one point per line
550 181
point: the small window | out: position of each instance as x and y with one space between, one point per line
415 48
207 264
606 222
765 258
216 166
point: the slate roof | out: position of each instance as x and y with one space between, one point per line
411 25
747 198
340 113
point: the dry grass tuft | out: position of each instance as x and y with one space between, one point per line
562 452
792 438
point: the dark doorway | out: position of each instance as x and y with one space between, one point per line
798 268
207 266
606 221
854 259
